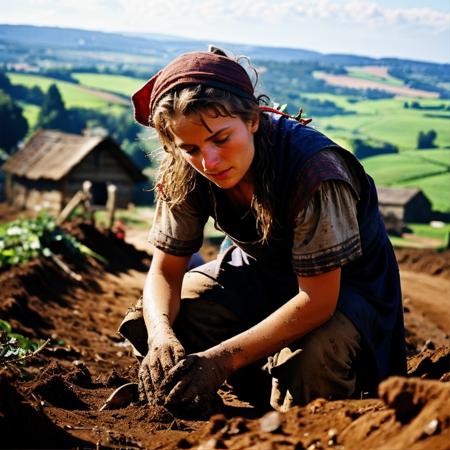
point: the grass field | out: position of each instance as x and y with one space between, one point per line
437 188
31 113
401 242
113 83
426 230
384 120
72 94
428 170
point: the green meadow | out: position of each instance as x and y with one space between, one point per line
428 170
384 120
423 229
73 95
118 84
31 113
438 233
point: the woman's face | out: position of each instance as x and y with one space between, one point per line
220 148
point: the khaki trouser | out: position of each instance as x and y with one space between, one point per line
320 364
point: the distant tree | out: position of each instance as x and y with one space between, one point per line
53 113
60 74
364 149
32 95
5 84
426 140
14 126
377 94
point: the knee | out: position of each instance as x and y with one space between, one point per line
196 284
323 365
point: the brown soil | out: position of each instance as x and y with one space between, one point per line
53 400
381 71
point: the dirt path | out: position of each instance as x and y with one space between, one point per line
429 296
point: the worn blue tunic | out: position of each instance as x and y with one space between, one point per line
260 277
370 294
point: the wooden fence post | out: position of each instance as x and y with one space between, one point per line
111 205
87 186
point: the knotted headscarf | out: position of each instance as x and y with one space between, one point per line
205 68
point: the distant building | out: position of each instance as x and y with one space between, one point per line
52 166
404 204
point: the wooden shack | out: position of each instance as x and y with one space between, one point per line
404 204
52 166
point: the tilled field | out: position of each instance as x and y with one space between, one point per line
54 400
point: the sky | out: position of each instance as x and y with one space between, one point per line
414 29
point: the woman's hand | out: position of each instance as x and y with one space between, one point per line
165 351
194 379
161 303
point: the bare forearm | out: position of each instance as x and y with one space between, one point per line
294 319
161 300
162 289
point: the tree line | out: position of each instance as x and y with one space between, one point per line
53 114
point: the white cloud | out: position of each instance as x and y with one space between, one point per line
141 12
418 28
269 11
361 12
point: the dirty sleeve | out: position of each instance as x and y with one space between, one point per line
178 229
326 233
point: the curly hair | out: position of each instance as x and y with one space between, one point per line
176 177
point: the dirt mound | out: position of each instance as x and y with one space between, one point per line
120 255
23 425
426 261
31 291
413 414
431 364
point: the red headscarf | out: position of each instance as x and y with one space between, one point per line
206 68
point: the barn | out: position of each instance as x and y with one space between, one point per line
52 166
404 204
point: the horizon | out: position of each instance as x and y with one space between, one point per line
178 37
403 29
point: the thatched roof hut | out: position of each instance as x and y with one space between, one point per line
51 167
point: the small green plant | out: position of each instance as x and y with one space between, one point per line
14 346
25 239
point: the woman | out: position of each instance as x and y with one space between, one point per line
311 280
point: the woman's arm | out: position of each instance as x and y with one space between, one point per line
161 305
162 289
202 373
314 304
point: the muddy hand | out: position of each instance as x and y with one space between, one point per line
165 351
195 377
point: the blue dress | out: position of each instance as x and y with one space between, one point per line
262 274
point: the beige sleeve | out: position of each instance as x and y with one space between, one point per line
326 234
177 230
